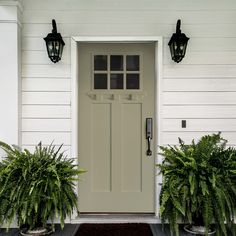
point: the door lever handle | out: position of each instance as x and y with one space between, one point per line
149 152
149 135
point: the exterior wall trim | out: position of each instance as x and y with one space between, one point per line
17 3
11 22
158 103
11 81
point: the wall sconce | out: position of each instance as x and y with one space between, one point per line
178 44
54 44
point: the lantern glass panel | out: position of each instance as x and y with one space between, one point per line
50 47
60 50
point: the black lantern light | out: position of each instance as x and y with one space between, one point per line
54 43
178 44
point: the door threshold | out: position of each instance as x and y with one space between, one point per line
116 218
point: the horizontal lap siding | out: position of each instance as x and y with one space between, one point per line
134 16
46 84
45 111
200 125
52 98
199 98
46 125
199 84
45 71
201 89
199 111
29 138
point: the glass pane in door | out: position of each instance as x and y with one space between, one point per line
116 63
132 81
100 81
100 62
132 63
117 81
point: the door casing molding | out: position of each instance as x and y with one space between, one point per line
158 88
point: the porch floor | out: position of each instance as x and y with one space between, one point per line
71 229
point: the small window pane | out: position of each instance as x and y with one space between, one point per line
100 81
132 63
132 81
100 62
117 81
116 62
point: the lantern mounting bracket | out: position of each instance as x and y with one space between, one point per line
54 26
178 30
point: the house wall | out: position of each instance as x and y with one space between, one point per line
201 89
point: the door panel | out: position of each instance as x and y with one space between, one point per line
131 157
116 95
101 147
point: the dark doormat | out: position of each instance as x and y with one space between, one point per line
114 230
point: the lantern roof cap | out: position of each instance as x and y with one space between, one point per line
178 36
54 36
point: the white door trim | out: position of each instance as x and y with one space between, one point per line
158 88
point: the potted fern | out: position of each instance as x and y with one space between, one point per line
37 187
199 185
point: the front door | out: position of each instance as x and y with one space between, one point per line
116 95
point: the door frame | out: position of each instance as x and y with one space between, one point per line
75 41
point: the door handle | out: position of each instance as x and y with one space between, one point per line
149 135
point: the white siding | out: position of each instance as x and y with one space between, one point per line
48 137
46 125
45 111
47 84
201 89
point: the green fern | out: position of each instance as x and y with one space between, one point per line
37 186
199 182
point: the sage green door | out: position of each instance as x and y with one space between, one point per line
116 95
